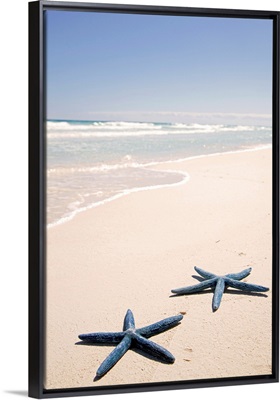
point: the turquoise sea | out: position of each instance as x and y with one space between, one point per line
91 162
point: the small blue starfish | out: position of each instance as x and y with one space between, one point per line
220 283
130 336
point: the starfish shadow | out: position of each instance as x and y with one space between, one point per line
84 343
96 378
198 278
194 294
243 293
149 356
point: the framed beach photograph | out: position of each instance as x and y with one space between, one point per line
153 198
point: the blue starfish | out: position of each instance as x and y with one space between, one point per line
130 336
220 283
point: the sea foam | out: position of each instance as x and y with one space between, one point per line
90 163
64 129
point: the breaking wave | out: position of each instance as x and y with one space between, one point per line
87 129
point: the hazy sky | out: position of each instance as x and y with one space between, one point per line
158 68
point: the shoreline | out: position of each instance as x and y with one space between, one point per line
130 253
126 192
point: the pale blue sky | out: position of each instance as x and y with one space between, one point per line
104 66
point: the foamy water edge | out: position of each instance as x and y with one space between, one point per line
185 179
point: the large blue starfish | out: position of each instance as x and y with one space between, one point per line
130 336
220 282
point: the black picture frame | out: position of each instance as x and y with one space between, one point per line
37 197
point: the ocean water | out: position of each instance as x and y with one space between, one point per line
92 162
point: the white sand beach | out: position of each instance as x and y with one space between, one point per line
130 253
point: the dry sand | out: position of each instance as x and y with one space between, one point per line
131 252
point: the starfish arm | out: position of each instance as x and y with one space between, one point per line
248 287
102 337
240 275
205 274
153 348
160 326
128 321
195 288
218 294
114 356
